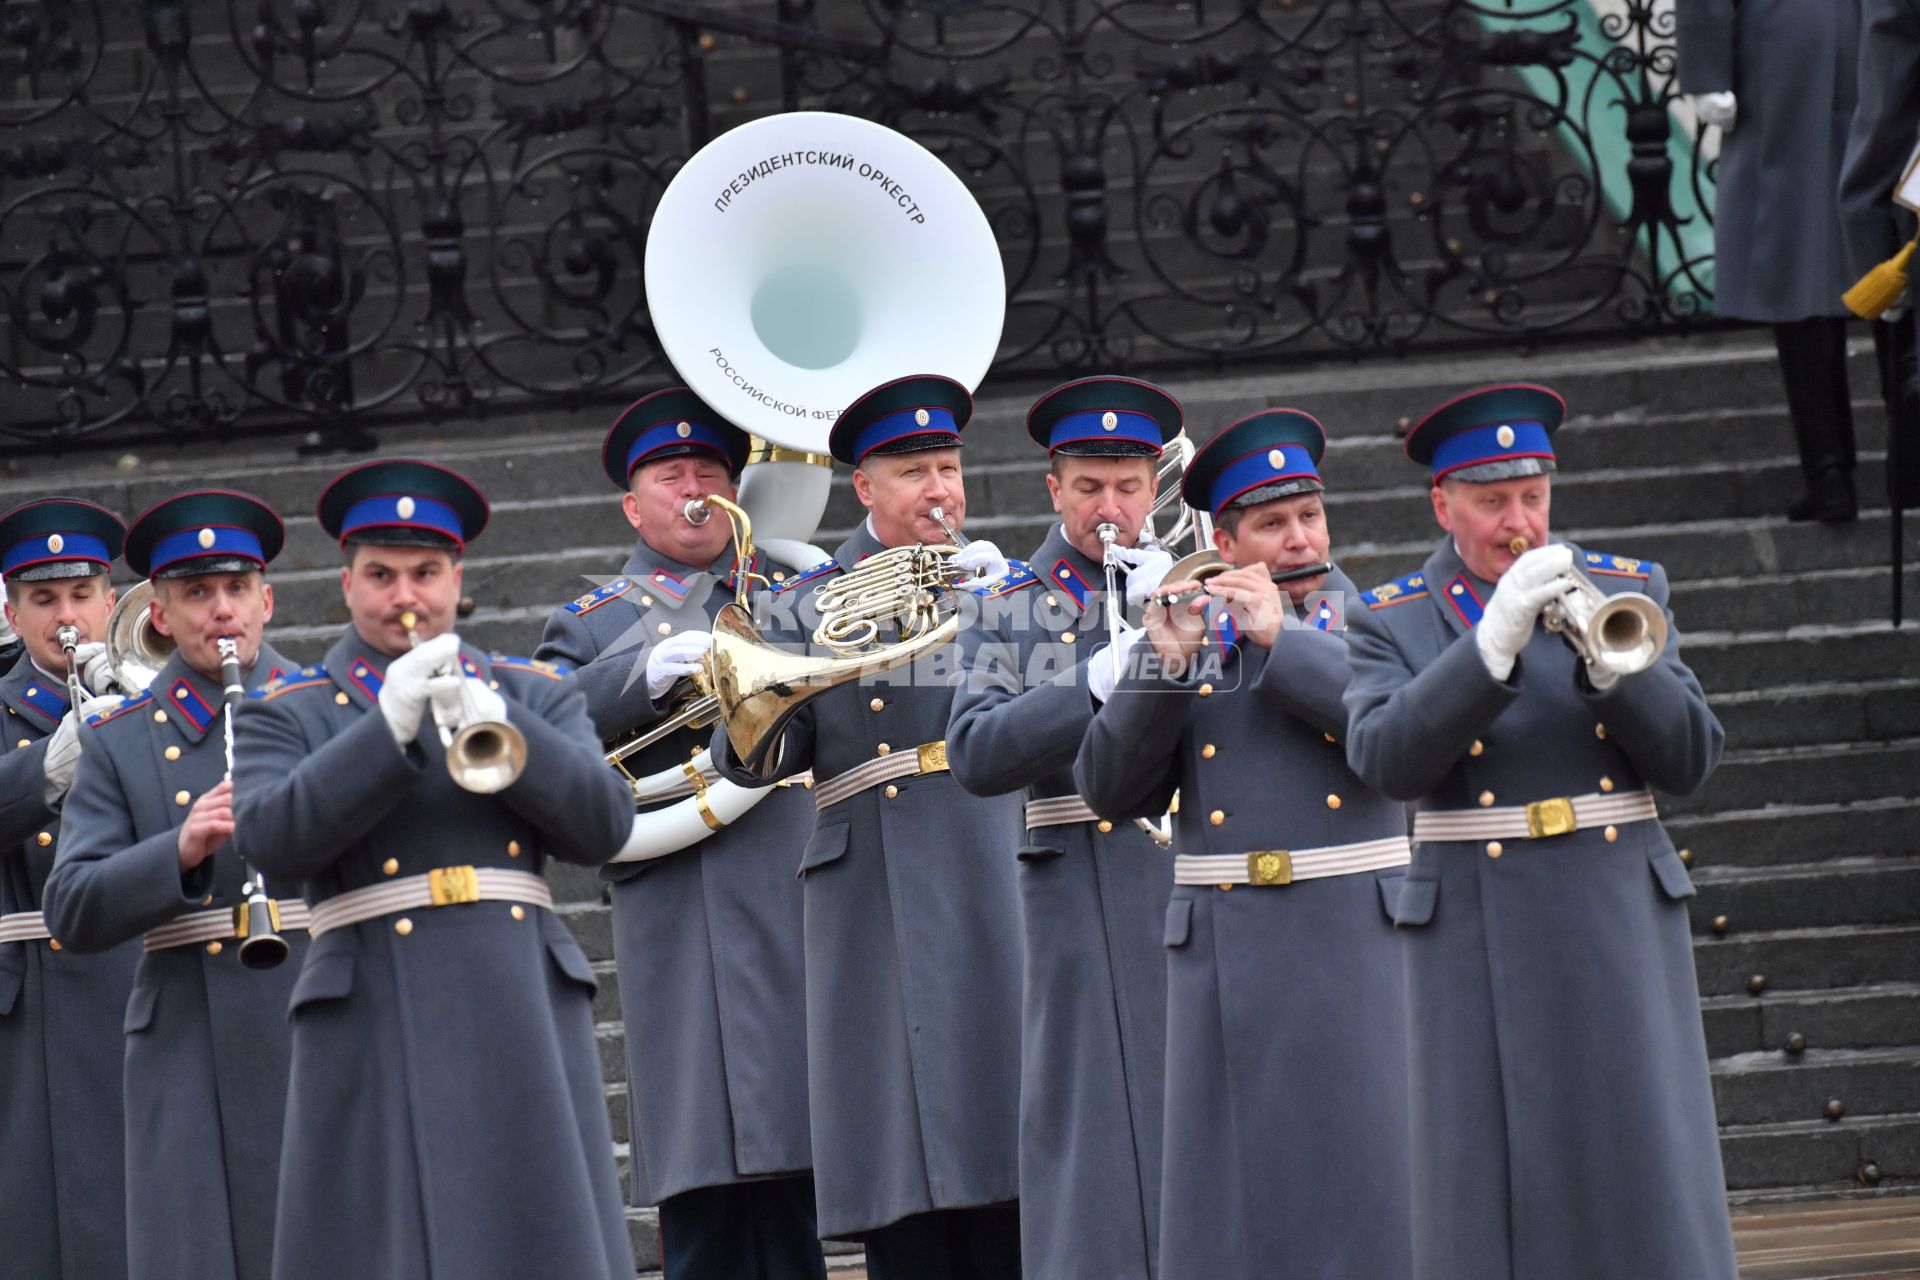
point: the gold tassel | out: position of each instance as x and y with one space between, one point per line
1881 287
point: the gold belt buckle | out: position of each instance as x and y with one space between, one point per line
241 923
1551 817
933 756
452 886
1270 866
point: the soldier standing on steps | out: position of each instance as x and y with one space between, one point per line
1286 1098
147 850
912 914
445 1116
1563 1121
708 939
62 1141
1093 893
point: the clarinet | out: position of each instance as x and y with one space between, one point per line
256 920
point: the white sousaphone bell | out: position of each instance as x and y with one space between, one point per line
793 264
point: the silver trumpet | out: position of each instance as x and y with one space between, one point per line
69 638
1621 633
257 919
484 756
1109 536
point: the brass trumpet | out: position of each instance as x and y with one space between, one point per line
1623 633
484 756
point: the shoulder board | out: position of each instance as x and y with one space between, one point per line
1618 566
1399 591
139 700
600 595
535 665
304 678
818 571
1019 574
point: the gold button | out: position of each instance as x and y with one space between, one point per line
1329 737
1333 802
892 791
1686 856
646 600
1612 833
1051 601
1217 817
664 628
214 948
1066 637
180 798
1486 799
1600 731
1207 752
160 717
518 912
1206 690
779 576
1477 747
54 943
173 753
1495 848
340 698
883 749
207 901
1226 888
493 684
1606 784
875 705
403 926
45 838
21 743
1104 826
513 848
391 866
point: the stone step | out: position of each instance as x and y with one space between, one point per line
1836 772
1838 711
1792 831
1883 1016
1804 1158
1771 1088
1800 960
1842 891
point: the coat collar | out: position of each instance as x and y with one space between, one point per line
28 692
862 544
1073 578
359 669
1460 595
660 575
193 703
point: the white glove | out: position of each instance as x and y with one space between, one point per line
461 699
1722 109
1105 669
675 657
63 757
1146 569
404 696
1507 625
96 671
985 560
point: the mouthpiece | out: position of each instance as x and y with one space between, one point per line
411 621
697 511
68 636
1109 534
1519 545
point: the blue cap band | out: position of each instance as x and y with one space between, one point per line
1091 424
661 435
1268 466
39 549
1482 444
383 512
187 544
898 426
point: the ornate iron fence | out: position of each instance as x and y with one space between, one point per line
229 215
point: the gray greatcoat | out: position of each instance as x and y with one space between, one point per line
1093 1018
1286 1135
445 1119
708 940
62 1167
1886 125
1780 252
1563 1118
207 1044
913 955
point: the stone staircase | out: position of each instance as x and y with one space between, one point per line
1805 845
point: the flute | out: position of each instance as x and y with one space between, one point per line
1283 576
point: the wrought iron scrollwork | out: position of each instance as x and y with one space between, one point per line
232 215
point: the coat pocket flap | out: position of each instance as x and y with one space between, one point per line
1037 852
325 976
1390 883
13 973
140 1007
566 953
1416 901
1179 922
829 844
1672 874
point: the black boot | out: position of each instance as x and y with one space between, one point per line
1894 344
1813 364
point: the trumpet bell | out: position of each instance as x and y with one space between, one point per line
1623 633
135 651
487 756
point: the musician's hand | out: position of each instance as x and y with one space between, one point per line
675 658
1108 665
1145 567
1176 631
1506 624
96 672
403 697
1253 600
209 825
62 758
986 562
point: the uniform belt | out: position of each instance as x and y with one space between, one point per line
929 757
1284 866
441 887
1556 817
221 925
24 926
1058 811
